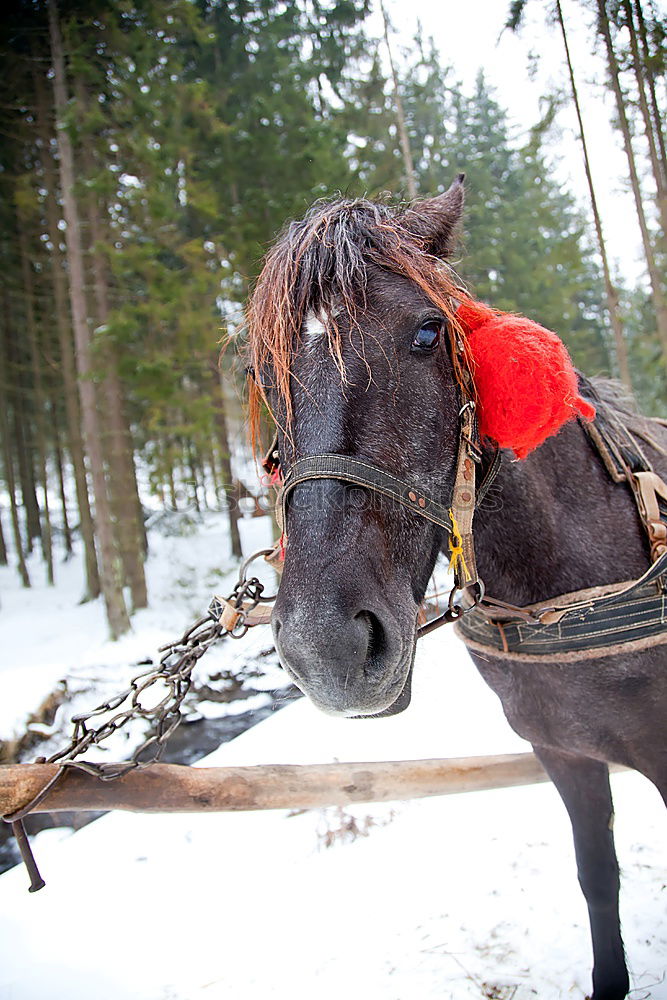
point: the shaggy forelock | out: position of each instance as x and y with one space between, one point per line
321 265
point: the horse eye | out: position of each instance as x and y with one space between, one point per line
427 336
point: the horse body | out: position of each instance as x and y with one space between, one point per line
561 513
563 524
357 565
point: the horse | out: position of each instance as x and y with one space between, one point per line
347 334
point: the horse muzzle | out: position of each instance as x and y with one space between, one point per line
349 663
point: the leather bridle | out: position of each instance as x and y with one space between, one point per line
455 518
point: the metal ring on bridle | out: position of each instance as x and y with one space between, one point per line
244 569
476 599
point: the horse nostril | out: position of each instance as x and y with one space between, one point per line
376 637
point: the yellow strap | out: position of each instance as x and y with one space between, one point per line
457 560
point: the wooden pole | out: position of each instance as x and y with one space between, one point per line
175 788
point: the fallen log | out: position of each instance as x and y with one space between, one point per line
175 788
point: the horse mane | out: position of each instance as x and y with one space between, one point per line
321 264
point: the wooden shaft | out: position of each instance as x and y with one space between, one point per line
175 788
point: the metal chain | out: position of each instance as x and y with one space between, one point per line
172 676
171 679
174 673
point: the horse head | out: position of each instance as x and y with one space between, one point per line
351 325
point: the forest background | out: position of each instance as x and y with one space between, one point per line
150 150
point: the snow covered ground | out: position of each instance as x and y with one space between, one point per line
468 896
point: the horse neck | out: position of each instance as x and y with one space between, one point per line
555 523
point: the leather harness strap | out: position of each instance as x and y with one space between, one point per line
648 488
603 618
359 472
586 624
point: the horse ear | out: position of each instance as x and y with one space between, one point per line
436 220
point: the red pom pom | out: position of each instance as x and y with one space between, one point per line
526 384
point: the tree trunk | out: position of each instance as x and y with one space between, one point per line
119 448
620 346
217 386
172 488
656 166
8 462
58 454
109 568
39 403
67 364
400 115
23 442
125 493
650 77
213 466
3 545
659 301
192 468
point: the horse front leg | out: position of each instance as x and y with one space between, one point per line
584 787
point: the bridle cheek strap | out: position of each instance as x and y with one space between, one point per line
464 499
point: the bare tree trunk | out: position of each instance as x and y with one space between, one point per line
74 438
22 430
9 473
192 468
656 166
213 465
108 562
611 293
11 489
67 365
400 115
58 453
122 481
659 301
650 77
124 492
39 403
225 457
3 545
173 497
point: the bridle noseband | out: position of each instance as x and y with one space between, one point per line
359 472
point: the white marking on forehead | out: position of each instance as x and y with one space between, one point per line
313 328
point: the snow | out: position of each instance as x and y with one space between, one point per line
465 896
